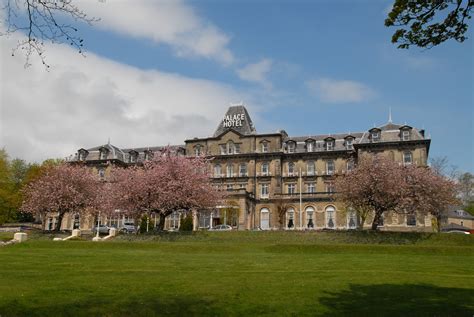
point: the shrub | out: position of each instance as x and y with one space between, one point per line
186 223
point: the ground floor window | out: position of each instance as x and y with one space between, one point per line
309 217
411 220
174 220
204 219
264 219
330 217
290 219
51 223
351 219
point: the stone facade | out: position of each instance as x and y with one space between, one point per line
264 171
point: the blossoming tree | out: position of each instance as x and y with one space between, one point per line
163 185
62 188
378 185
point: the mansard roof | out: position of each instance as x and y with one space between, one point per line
238 119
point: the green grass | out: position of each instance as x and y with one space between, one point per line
241 274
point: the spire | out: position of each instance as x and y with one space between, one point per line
389 114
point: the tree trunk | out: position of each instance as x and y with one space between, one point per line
376 222
280 222
161 222
59 222
438 223
361 222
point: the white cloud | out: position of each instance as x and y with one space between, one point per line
82 102
339 91
164 22
257 72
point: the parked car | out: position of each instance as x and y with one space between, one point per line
458 231
221 228
128 227
102 229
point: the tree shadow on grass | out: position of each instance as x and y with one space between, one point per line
99 306
399 300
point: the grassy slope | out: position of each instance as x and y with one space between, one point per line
242 273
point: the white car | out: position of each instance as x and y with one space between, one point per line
221 228
128 227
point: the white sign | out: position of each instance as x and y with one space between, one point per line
233 121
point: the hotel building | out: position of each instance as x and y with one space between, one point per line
265 171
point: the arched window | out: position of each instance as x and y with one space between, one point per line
310 217
217 170
264 219
290 219
330 217
291 168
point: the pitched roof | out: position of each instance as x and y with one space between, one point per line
236 118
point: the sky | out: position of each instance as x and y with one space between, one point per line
160 72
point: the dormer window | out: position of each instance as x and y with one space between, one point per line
330 143
291 147
375 136
132 157
103 154
405 132
264 147
310 146
406 135
82 154
349 143
147 155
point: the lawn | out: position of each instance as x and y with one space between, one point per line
241 274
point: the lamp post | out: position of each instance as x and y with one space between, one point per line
98 225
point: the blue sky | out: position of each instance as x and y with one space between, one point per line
308 67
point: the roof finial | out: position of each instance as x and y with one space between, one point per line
108 141
389 114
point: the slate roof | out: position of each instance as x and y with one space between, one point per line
389 132
247 127
460 214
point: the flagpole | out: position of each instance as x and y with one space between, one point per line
301 202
